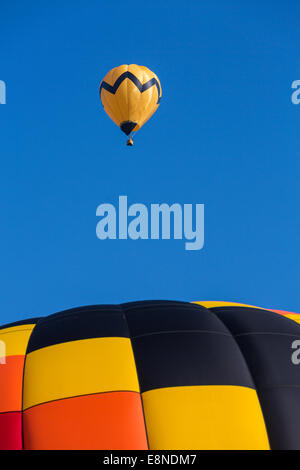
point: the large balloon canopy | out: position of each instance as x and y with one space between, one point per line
130 94
151 375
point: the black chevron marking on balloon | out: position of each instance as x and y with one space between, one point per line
142 87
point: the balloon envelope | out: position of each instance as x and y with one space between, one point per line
130 94
151 375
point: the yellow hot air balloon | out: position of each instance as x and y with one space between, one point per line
130 94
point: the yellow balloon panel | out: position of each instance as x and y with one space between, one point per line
204 417
16 339
70 369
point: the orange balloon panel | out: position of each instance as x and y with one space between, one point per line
11 377
112 420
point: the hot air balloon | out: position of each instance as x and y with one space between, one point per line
152 375
130 94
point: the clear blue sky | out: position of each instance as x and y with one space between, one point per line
226 135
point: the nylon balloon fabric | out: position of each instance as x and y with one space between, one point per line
130 95
151 375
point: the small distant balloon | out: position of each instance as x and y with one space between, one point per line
130 95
